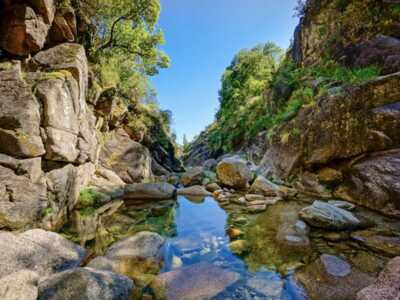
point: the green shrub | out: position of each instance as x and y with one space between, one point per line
88 197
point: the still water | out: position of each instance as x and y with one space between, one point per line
200 239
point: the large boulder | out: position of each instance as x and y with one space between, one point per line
19 116
85 283
41 251
373 182
331 277
361 119
193 176
234 172
382 51
328 216
23 29
387 286
21 200
149 191
19 285
128 159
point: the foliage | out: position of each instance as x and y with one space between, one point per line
123 44
241 101
88 197
258 94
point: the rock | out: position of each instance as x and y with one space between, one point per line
63 28
129 160
336 236
342 204
383 244
381 51
254 209
67 56
108 182
363 119
331 277
199 281
19 120
234 172
234 233
264 187
42 251
373 181
387 286
212 187
239 200
22 30
210 164
327 216
269 288
239 247
195 190
292 234
64 185
19 285
253 197
193 176
329 176
140 253
85 283
21 200
149 191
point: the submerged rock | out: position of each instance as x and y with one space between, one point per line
328 216
199 281
234 172
85 283
140 253
331 277
387 286
149 191
239 246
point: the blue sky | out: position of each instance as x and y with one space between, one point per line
202 36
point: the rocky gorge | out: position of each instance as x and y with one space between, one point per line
95 203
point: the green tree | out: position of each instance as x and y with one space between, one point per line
124 44
241 95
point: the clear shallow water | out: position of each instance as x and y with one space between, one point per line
201 237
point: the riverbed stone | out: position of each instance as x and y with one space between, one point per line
85 283
149 191
328 216
199 281
387 286
239 247
234 172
